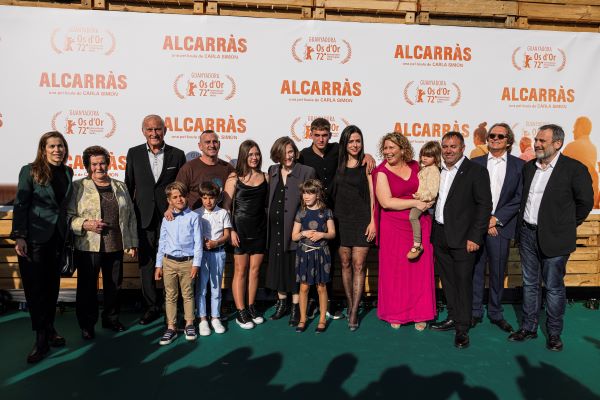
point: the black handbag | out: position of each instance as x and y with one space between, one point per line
67 255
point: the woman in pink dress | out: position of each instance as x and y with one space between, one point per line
406 287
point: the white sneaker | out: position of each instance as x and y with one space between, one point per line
203 328
217 325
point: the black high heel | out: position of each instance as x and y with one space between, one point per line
300 329
323 329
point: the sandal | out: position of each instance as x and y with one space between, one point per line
321 327
395 326
414 252
301 327
420 326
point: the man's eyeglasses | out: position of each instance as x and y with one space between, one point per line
498 136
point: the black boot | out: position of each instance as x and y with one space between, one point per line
295 315
40 348
280 309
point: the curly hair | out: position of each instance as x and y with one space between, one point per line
401 141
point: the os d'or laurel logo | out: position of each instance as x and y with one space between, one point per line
204 84
83 39
539 58
84 122
321 49
428 92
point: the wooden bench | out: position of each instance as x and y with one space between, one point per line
583 268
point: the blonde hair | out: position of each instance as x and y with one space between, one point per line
401 141
312 186
176 186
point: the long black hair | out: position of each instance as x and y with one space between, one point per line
343 153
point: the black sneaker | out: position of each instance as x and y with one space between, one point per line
256 317
190 333
244 320
168 337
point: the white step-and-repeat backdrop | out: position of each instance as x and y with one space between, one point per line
94 75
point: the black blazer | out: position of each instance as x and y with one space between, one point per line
146 194
510 195
468 207
566 202
299 174
36 214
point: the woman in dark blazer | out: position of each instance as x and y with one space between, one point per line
284 198
39 228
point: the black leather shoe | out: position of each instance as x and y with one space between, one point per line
281 309
37 354
40 348
149 317
461 340
294 315
88 334
54 339
554 343
475 321
115 326
521 335
502 324
444 325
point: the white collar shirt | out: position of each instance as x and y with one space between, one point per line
214 222
536 190
496 167
156 161
446 178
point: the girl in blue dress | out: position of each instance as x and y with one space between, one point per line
313 227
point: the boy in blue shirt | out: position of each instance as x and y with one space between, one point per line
178 260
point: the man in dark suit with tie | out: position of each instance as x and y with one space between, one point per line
504 170
462 215
150 168
557 197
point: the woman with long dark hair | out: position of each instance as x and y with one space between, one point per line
39 229
249 191
353 199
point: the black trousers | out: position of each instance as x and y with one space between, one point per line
455 266
148 246
89 264
40 275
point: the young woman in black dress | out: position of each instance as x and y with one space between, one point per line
353 199
249 191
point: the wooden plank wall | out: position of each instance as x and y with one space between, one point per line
569 15
583 268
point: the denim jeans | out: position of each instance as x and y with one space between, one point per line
538 268
211 269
